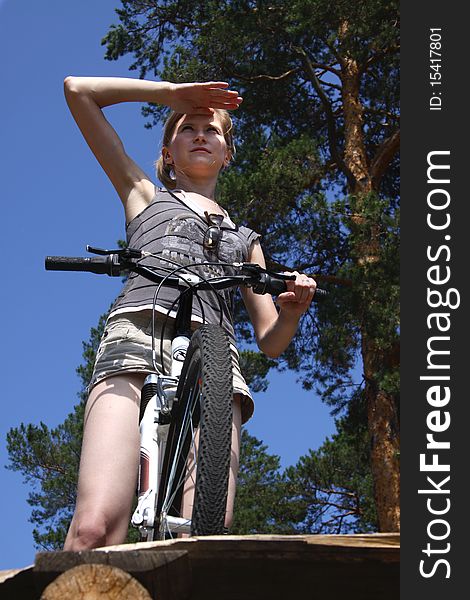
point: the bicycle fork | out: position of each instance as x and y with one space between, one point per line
157 396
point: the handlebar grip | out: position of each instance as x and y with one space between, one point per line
269 285
274 286
102 265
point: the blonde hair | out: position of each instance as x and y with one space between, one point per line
163 170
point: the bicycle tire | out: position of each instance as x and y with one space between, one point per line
204 400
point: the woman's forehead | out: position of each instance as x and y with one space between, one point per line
199 118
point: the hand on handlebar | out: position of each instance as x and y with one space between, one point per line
299 295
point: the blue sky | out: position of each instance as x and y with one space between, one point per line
57 200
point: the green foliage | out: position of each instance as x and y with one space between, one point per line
48 459
264 49
333 484
327 491
260 491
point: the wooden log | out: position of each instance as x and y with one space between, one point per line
92 582
165 575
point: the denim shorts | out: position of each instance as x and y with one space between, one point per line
126 346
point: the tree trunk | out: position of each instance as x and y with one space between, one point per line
384 432
381 408
355 156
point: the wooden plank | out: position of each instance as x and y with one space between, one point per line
257 567
365 567
369 540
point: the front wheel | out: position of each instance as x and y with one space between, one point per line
199 440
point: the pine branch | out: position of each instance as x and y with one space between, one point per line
264 77
384 157
394 49
302 268
331 121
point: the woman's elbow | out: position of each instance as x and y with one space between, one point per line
72 85
69 81
268 350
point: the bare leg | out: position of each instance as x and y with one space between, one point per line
108 464
188 493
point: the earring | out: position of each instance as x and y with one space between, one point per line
171 173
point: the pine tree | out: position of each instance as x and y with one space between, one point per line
316 172
260 497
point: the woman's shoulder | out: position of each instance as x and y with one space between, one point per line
249 234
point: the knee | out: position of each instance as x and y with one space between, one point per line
87 532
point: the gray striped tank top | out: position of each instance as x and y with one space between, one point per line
173 229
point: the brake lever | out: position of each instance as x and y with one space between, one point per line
123 252
259 270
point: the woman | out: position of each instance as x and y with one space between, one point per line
197 145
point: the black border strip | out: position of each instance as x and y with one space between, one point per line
434 250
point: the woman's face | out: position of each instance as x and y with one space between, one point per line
197 147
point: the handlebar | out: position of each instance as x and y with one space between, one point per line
115 263
108 265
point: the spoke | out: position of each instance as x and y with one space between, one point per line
181 438
175 487
188 421
185 473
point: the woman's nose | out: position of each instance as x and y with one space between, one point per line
199 135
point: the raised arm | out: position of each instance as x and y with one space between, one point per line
87 96
274 330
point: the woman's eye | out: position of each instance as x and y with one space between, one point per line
186 127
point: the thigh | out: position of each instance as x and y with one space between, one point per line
110 449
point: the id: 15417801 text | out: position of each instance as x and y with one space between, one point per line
435 66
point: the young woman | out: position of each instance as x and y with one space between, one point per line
172 222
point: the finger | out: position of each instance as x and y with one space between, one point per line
305 289
215 84
222 93
221 103
225 105
224 96
302 294
290 283
286 299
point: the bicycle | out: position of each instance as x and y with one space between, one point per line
185 417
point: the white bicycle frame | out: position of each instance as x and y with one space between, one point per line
153 437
